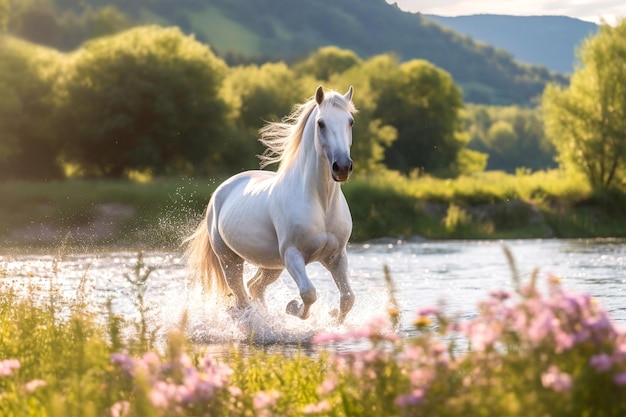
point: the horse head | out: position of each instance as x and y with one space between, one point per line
333 131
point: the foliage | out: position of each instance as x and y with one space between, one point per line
422 102
533 352
258 95
587 120
512 137
326 61
28 144
148 100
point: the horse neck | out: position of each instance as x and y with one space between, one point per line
311 172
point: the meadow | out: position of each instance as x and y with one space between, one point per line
537 350
160 212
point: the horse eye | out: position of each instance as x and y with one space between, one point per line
351 122
321 124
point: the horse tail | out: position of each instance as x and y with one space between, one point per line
203 260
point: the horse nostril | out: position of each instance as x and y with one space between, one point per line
335 167
350 168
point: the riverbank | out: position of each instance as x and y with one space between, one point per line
160 213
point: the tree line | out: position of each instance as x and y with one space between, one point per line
154 100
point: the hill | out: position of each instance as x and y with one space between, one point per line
540 40
262 30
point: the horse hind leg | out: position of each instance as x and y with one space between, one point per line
232 267
261 280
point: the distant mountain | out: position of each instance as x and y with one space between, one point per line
262 30
541 40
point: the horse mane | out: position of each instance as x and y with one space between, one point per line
283 138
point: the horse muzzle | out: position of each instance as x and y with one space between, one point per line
341 170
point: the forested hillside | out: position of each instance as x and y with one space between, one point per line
540 40
270 30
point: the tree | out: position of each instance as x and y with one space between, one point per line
587 120
422 102
28 146
259 94
326 61
146 99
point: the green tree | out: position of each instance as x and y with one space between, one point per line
512 136
422 102
146 99
259 94
326 61
28 146
587 120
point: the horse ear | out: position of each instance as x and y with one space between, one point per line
319 95
348 95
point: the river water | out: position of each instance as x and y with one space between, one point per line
456 273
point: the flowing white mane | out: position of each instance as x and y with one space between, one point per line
283 138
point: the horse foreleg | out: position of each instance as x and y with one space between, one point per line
294 262
338 268
260 281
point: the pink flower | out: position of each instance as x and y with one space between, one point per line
620 379
555 379
321 407
263 399
32 386
158 395
428 311
7 366
120 409
414 398
601 362
482 335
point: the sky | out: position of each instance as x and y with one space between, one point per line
590 10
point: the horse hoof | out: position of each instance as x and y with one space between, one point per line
293 308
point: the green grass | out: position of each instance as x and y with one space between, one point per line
161 212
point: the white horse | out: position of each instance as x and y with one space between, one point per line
284 219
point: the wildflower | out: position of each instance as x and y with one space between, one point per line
601 362
235 391
328 385
265 399
321 407
32 386
555 379
620 379
125 362
428 311
422 321
7 366
482 335
414 398
120 409
158 398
